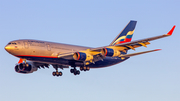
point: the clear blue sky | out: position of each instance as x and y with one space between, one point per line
149 77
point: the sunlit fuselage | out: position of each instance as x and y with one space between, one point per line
47 52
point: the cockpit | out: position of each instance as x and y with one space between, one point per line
11 46
13 43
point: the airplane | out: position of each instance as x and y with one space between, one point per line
36 54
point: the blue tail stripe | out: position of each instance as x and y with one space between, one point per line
129 36
129 27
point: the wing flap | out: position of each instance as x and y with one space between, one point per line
139 53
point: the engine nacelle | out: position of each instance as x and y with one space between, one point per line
82 56
25 68
110 52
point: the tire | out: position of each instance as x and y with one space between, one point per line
87 68
81 68
54 73
72 70
57 74
60 73
77 72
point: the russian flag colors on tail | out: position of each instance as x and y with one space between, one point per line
126 34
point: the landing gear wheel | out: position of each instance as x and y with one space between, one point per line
57 74
77 72
81 68
84 68
54 73
60 73
72 70
87 68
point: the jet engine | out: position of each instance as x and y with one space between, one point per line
110 52
25 68
82 56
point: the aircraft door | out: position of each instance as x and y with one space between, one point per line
48 47
26 45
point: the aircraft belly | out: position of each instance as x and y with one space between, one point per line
49 60
108 61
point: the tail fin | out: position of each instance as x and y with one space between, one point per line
126 34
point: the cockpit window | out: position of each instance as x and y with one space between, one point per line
12 43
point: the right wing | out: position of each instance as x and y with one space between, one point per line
134 44
144 42
119 50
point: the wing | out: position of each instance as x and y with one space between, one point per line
134 44
134 54
119 50
144 42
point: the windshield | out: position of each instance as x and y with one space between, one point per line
14 43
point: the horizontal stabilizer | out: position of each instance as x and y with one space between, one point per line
134 54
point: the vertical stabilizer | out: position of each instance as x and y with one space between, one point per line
126 34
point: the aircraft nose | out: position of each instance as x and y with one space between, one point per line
7 47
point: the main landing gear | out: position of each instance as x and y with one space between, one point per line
56 73
75 71
84 68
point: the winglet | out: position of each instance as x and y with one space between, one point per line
134 54
171 31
